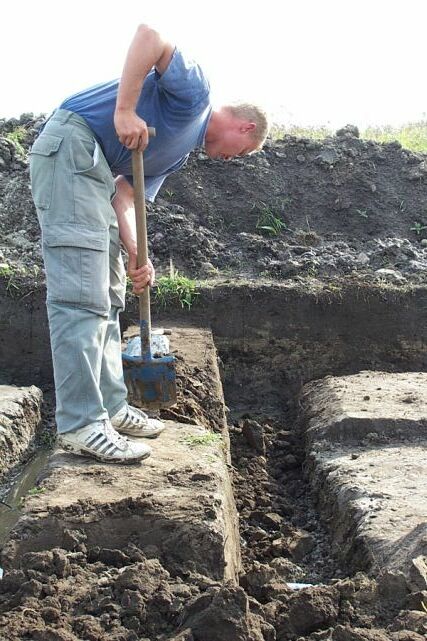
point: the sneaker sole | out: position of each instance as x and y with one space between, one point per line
74 449
129 432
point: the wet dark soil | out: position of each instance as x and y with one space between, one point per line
278 521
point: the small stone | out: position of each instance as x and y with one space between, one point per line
73 538
417 266
301 158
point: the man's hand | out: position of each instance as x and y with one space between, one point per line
131 130
142 276
147 50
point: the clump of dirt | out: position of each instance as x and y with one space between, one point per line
195 403
124 595
299 209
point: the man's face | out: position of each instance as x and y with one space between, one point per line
232 143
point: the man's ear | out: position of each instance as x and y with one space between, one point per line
247 126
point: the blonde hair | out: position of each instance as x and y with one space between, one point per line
253 113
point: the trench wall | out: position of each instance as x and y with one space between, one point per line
279 336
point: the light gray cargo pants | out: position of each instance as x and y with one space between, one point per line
72 188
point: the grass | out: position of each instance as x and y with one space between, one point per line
269 223
418 228
17 136
9 274
176 289
14 276
210 438
412 135
34 491
314 133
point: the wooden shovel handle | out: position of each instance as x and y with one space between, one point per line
141 229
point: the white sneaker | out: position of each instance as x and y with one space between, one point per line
100 440
133 421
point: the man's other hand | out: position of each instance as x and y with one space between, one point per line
140 276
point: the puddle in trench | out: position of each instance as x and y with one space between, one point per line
16 489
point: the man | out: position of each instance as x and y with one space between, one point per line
84 214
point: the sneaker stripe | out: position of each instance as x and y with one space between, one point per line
101 443
91 440
125 420
105 449
110 450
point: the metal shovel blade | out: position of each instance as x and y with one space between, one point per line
151 383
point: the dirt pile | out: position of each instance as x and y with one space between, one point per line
299 209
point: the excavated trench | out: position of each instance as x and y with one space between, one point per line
97 582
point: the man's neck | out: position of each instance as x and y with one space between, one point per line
216 124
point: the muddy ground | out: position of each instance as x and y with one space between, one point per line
349 208
81 592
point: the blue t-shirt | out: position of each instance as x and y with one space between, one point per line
176 103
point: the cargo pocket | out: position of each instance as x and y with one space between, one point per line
42 168
117 271
92 182
85 154
77 266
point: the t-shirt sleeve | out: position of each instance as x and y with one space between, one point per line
184 82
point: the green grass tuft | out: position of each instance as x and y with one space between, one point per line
175 289
210 438
269 222
18 136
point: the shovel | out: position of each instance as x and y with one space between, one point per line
150 379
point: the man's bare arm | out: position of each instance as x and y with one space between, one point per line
123 204
147 50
